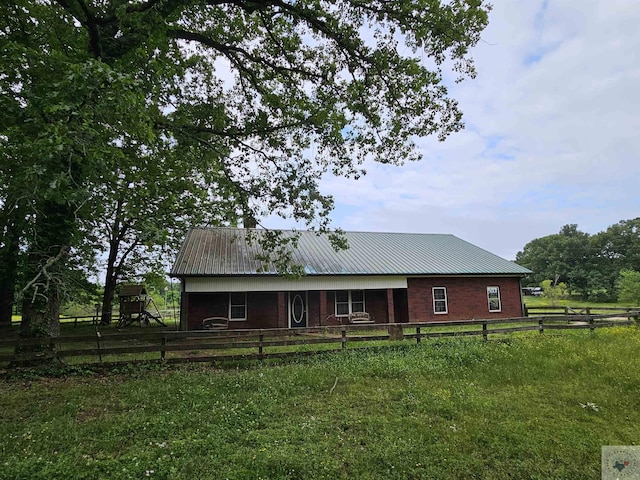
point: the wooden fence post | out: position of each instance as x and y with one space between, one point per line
541 326
98 342
592 324
260 346
344 338
396 332
484 331
417 335
163 347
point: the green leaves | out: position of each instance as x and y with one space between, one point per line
159 115
589 264
629 287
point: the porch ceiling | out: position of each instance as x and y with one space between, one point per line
279 284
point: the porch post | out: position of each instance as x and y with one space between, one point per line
323 308
395 331
391 316
282 310
184 309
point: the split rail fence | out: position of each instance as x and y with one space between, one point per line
157 344
567 310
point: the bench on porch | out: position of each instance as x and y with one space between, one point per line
354 318
360 317
215 323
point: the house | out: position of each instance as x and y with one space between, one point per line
380 278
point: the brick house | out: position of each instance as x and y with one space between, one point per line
380 278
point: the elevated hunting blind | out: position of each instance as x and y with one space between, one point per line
136 305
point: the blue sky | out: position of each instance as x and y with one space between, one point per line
552 135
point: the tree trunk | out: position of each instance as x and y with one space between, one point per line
8 281
9 265
113 271
41 316
7 297
107 298
45 270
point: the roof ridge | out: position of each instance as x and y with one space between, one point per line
212 227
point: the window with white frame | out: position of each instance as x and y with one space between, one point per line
237 306
493 296
349 301
439 300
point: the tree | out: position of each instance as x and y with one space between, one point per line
553 291
565 257
11 225
617 248
144 211
261 98
629 287
65 114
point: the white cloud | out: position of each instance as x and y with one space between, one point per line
552 135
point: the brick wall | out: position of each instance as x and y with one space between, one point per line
466 298
375 303
262 309
400 307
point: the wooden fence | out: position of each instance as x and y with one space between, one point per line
201 346
566 310
167 315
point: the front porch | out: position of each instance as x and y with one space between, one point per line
292 309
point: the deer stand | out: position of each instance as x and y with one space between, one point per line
136 306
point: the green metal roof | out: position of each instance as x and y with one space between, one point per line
226 252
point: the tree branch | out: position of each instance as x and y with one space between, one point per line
231 52
88 21
233 133
43 270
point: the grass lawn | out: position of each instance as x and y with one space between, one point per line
536 407
532 301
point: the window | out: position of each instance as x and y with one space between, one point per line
439 300
349 301
493 295
357 300
238 306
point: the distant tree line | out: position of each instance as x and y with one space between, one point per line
594 266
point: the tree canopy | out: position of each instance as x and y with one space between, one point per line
250 103
629 287
589 264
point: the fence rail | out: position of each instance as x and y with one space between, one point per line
568 310
191 346
95 319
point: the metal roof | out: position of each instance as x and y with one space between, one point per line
226 252
132 290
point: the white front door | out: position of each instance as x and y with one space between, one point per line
297 309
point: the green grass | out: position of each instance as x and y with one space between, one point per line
532 301
535 407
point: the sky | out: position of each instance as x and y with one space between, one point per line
552 135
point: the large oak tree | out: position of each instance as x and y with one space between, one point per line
258 100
